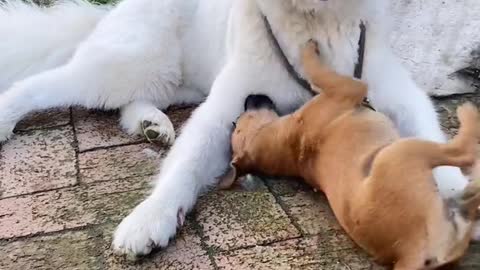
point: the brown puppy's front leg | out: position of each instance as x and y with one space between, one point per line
328 81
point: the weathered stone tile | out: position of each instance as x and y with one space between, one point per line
100 129
70 207
311 212
45 119
471 260
119 163
237 219
69 250
37 160
317 252
185 252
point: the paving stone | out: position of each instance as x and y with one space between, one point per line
235 219
471 260
178 115
97 129
286 187
45 119
119 163
185 252
37 160
70 207
309 210
69 250
317 252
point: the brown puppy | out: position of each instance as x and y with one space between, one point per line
379 186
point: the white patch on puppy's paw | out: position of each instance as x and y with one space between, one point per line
476 231
450 181
151 224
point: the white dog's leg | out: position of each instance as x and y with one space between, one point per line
143 118
199 155
393 92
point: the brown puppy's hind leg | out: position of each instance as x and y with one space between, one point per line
415 153
323 79
458 152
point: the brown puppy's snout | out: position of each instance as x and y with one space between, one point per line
259 111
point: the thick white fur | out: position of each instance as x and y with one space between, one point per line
152 53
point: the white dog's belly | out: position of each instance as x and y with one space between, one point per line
204 43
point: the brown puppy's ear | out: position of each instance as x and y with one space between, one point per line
228 179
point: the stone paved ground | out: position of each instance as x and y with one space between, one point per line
69 176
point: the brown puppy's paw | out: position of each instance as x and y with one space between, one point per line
311 55
311 48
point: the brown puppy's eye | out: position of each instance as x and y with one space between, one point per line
234 125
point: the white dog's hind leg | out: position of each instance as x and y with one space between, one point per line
144 118
393 92
200 154
35 39
48 89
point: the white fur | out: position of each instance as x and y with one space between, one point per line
160 52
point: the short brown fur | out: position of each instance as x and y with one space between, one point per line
379 186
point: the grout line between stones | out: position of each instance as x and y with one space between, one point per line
76 148
198 230
46 234
98 148
284 208
31 130
264 244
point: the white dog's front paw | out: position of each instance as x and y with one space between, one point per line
151 224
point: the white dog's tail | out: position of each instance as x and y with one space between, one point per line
34 38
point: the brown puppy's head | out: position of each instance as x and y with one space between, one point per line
259 111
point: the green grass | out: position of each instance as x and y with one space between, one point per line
102 1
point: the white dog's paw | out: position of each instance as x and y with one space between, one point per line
151 224
142 118
6 130
162 131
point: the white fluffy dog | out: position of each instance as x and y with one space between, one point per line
144 55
